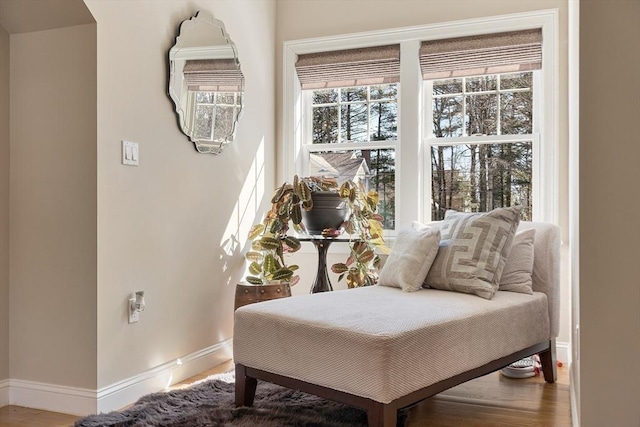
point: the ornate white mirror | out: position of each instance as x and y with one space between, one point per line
206 83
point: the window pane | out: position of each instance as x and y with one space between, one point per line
325 125
226 98
374 168
384 121
516 113
482 83
351 94
447 117
354 123
384 92
204 97
481 115
224 123
516 81
449 86
203 122
481 177
327 96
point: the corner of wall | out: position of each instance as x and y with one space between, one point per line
4 211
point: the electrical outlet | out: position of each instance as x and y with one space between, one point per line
136 305
134 315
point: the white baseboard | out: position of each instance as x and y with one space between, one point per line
79 401
563 353
125 392
52 397
4 393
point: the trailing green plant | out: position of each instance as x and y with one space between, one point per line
364 227
271 239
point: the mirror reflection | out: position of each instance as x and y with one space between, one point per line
206 83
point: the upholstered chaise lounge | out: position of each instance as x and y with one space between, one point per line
381 349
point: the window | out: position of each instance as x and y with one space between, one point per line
351 118
482 120
215 114
479 136
353 133
481 143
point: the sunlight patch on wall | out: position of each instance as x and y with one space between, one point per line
245 212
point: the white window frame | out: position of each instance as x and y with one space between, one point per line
413 177
192 105
308 147
430 140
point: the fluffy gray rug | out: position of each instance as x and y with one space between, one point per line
211 403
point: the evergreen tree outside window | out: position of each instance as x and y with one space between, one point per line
488 57
481 143
350 104
360 123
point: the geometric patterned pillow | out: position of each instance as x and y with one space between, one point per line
473 251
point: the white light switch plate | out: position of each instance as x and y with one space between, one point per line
130 153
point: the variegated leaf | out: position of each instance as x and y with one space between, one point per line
254 256
254 280
278 194
255 268
296 186
366 256
294 280
269 243
270 264
296 214
293 243
255 231
276 226
339 268
282 274
305 191
307 205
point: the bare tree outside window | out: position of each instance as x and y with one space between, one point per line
478 177
353 119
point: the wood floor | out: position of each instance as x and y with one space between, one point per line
492 400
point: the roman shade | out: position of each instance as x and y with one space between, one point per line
352 67
213 75
509 52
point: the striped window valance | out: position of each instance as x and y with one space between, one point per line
478 55
352 67
221 75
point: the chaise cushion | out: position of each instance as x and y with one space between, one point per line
473 251
381 343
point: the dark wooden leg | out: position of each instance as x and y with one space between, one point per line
245 387
381 415
549 363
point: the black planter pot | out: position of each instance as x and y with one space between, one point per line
329 211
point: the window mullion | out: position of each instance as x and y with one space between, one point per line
499 109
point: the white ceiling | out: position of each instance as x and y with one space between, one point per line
24 16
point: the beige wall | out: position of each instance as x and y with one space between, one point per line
53 206
609 213
4 204
314 18
175 225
